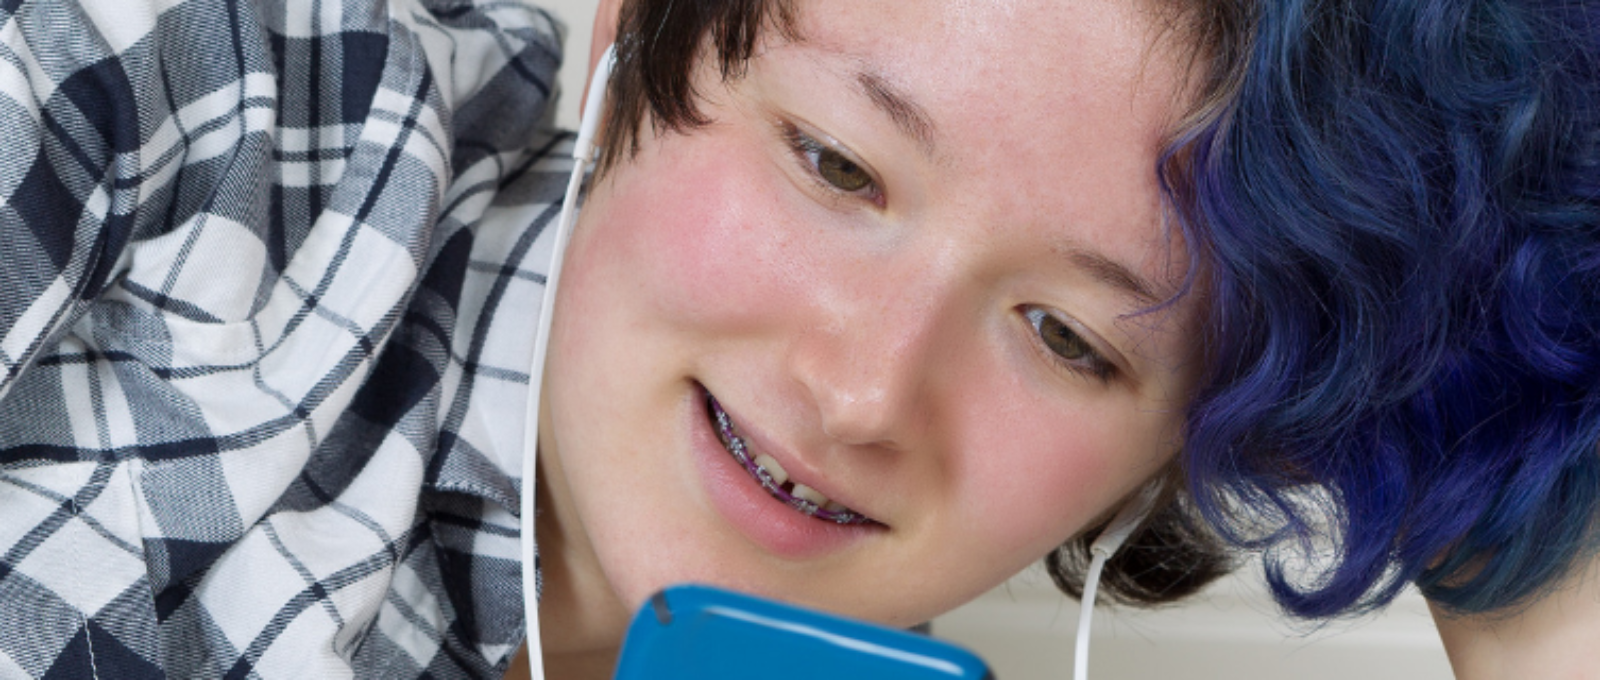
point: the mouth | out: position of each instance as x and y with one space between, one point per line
771 476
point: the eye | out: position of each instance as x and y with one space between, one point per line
1067 345
829 165
840 172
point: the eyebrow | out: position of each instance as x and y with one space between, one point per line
910 117
1113 274
914 122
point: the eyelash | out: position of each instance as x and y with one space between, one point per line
1092 364
808 152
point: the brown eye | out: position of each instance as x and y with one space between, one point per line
1067 345
1058 337
840 172
828 165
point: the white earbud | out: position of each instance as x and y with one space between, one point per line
593 108
583 155
1104 546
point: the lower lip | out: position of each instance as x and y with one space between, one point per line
763 519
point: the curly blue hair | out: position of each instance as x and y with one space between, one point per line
1396 209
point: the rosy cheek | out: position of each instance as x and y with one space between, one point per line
1043 472
705 244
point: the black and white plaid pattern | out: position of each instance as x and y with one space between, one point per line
268 276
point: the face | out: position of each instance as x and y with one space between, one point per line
906 262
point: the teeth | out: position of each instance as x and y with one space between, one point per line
776 471
772 477
809 494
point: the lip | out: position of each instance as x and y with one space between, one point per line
753 512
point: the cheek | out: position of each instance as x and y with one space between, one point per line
702 246
1041 471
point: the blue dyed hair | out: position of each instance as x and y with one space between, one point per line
1395 213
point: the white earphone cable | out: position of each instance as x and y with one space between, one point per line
583 154
1106 545
1091 585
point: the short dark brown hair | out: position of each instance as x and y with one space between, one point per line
659 43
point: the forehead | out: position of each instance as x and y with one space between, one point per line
1052 111
1011 56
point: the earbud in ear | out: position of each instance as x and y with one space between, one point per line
594 106
1105 545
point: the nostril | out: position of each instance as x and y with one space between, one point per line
856 417
861 405
863 368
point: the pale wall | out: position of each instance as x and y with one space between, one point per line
579 18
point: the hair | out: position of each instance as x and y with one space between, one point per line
1392 210
1398 210
659 43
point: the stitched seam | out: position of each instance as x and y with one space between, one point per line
88 635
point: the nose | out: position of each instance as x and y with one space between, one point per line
865 359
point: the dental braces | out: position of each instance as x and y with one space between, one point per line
736 446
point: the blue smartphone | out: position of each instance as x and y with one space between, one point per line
707 633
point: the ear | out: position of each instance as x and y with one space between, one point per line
604 33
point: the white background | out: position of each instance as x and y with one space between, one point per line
1233 631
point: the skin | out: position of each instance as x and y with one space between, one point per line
878 339
1554 637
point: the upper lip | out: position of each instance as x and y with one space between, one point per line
799 471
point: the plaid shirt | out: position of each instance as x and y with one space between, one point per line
268 277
